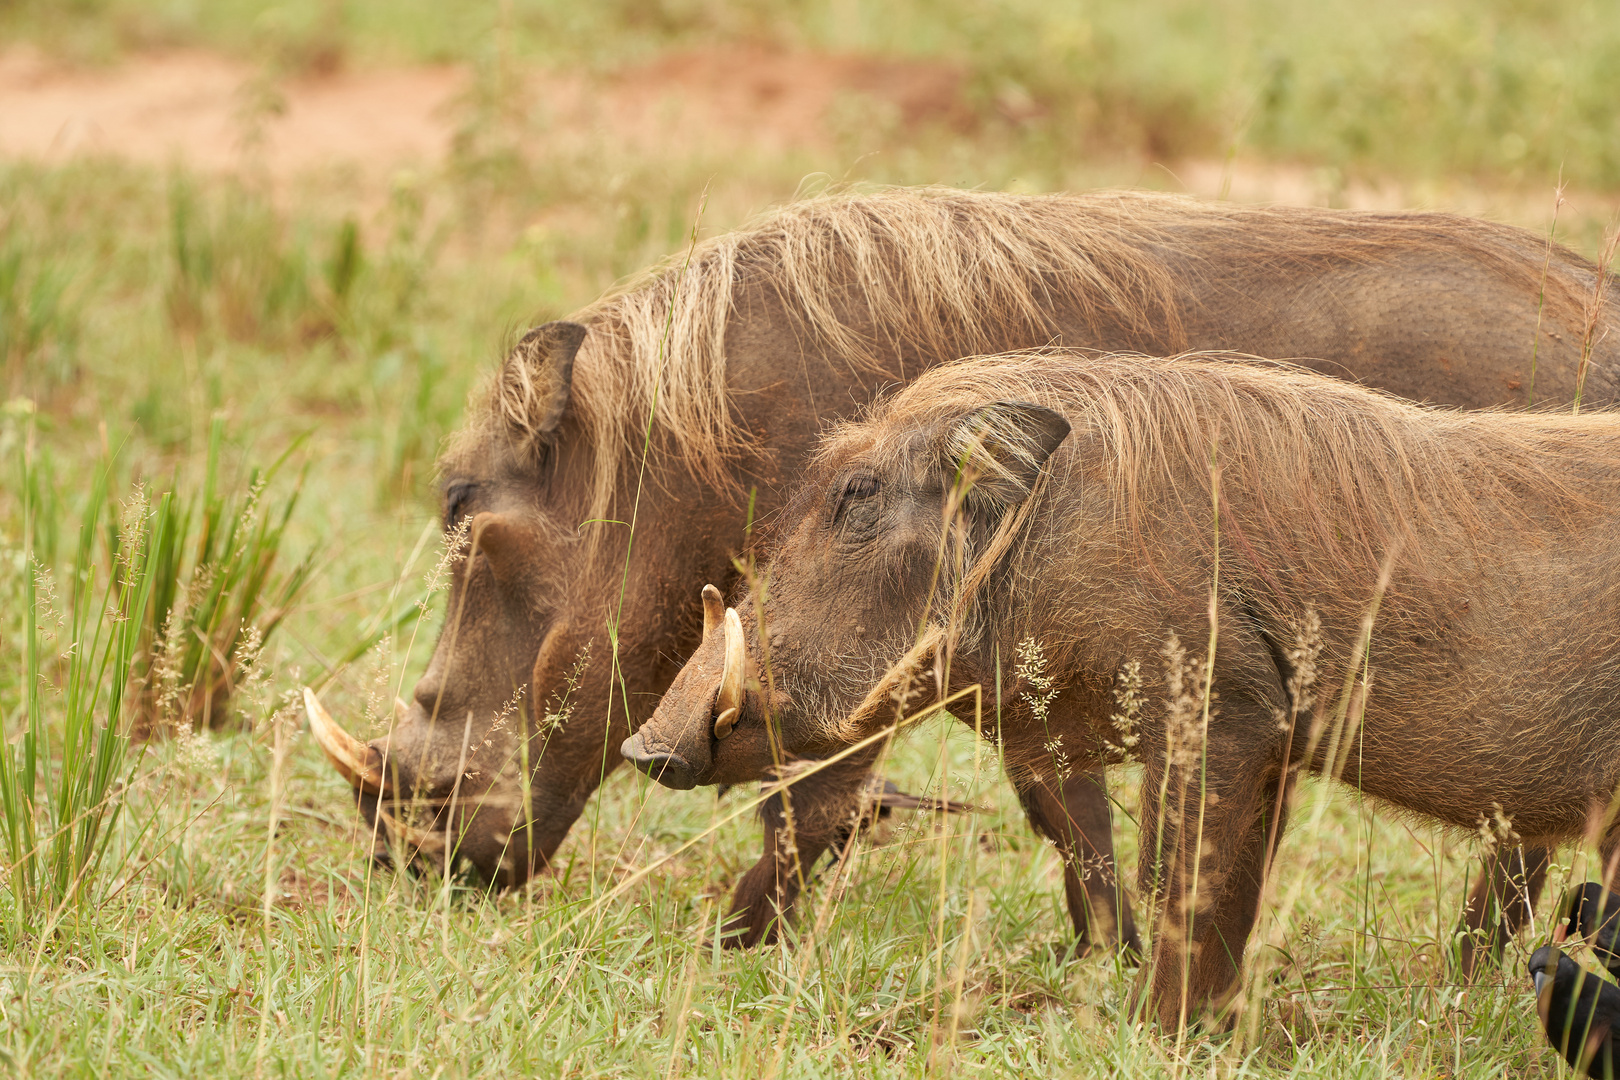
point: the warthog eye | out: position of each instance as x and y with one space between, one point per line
857 507
456 498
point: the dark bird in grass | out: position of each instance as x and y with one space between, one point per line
880 798
1578 1010
1593 914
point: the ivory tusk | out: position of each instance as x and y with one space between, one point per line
714 611
401 710
724 723
358 763
423 841
731 676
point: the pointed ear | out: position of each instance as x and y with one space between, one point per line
537 378
996 452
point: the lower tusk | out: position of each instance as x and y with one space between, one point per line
401 710
423 841
724 723
359 764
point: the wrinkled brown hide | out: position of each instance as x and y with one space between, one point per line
1483 548
1428 306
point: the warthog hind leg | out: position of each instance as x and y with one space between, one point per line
797 832
1504 895
1075 817
1500 903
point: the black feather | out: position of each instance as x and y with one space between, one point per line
1579 1012
1593 914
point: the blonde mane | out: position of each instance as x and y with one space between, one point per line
1316 474
931 272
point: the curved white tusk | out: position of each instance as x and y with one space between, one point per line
401 710
714 611
728 702
358 763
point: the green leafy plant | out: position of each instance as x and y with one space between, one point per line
161 617
59 778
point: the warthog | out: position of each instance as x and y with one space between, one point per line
1054 516
770 332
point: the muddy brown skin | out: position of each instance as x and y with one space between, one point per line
1411 310
1079 518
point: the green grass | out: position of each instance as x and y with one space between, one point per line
154 626
184 973
217 596
58 794
185 327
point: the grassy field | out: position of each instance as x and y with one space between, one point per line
263 349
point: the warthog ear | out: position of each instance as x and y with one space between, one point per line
996 452
537 377
500 540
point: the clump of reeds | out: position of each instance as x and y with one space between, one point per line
217 596
60 774
159 619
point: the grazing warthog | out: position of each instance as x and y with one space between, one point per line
734 363
1054 520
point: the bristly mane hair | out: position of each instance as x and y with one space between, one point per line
1317 475
922 271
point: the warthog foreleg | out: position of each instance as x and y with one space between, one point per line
1211 833
1075 817
799 825
1232 915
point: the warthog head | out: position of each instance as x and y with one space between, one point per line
458 768
891 529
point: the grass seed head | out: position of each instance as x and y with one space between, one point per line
455 549
1128 698
1186 688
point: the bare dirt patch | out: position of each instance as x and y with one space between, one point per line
218 114
782 100
211 112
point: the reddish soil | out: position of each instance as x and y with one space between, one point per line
778 100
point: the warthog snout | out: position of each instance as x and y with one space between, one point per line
669 769
675 747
